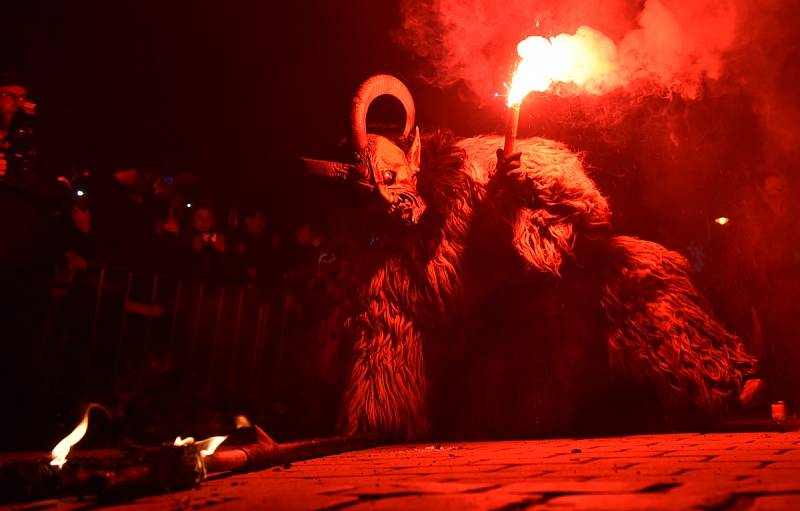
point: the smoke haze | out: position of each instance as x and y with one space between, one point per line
663 47
670 47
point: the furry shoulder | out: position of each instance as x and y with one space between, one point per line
550 201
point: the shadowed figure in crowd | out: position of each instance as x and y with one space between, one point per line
209 259
34 214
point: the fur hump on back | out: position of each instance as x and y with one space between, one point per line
481 155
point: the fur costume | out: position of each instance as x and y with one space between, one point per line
503 305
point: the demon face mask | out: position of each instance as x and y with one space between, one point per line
381 165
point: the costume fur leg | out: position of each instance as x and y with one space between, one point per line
661 331
387 387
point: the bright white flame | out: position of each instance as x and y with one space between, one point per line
188 204
80 193
723 220
61 450
209 445
206 447
587 59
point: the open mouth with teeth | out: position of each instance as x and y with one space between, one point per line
408 208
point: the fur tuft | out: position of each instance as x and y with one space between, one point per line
388 384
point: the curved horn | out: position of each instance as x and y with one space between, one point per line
378 85
324 168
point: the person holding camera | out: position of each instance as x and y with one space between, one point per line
16 114
28 204
208 245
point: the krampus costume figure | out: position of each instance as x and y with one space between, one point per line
497 301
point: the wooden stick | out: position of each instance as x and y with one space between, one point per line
512 124
265 452
164 468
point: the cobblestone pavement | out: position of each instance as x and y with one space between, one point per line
753 471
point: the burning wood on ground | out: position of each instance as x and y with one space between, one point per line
138 471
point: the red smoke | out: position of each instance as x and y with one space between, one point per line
667 48
666 45
766 62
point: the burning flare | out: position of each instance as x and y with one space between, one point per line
60 451
587 59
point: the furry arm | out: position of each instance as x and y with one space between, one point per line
550 200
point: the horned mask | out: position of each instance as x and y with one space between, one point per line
381 165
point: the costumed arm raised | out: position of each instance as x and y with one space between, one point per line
549 201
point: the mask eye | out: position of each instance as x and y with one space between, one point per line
389 177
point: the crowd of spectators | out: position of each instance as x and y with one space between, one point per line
139 219
165 225
142 221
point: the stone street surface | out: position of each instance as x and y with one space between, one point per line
736 471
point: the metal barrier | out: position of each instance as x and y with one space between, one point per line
116 329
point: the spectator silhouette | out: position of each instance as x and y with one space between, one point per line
208 245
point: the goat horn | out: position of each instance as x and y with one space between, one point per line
378 85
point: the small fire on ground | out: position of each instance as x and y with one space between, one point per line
60 452
205 447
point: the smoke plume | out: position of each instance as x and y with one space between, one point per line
667 48
697 102
664 46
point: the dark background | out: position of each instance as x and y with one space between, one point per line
231 91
